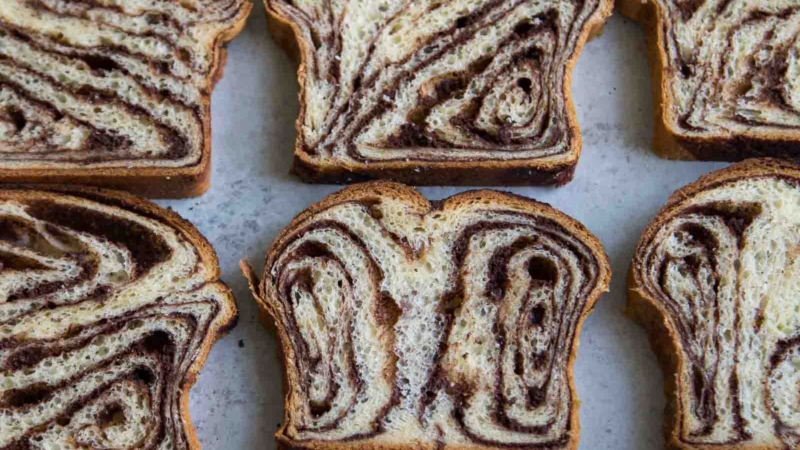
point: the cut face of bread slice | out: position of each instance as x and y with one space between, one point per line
436 92
111 92
716 281
725 76
108 308
410 323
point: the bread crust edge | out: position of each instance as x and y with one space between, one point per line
265 296
423 173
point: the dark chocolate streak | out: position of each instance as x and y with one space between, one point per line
146 247
534 318
736 218
352 118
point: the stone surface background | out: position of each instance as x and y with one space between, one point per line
618 187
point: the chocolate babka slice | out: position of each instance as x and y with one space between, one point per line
715 281
108 308
436 92
112 92
725 76
413 324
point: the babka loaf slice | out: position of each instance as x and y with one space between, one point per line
112 92
715 280
108 308
725 76
413 324
436 92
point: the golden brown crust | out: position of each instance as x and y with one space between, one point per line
152 182
209 260
669 142
484 173
264 295
490 173
651 314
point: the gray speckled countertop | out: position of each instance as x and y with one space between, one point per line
618 187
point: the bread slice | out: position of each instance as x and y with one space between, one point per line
108 307
725 77
414 324
435 92
715 281
112 93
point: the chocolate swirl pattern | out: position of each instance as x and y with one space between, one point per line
453 323
727 73
108 307
715 280
109 84
437 88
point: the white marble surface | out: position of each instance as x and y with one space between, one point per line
618 187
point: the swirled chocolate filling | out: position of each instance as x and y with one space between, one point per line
108 83
442 324
437 81
731 67
106 309
721 266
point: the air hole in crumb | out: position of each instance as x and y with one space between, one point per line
157 342
686 70
523 28
315 40
111 415
525 85
542 269
162 67
184 55
376 212
17 118
536 316
319 408
536 396
99 63
144 375
154 19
